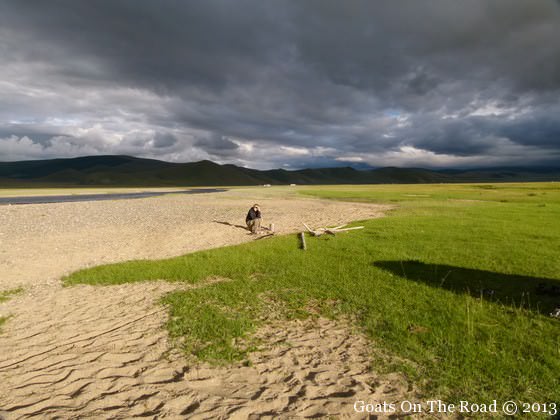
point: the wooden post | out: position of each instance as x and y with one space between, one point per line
271 229
302 237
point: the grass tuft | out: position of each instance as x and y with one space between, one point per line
4 296
7 294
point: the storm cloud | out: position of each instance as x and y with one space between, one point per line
283 84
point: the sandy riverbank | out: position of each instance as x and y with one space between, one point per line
103 351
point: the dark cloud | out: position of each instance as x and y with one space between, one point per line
219 146
287 84
164 140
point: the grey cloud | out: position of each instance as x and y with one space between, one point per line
219 146
163 140
312 81
536 129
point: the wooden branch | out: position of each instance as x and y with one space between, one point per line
331 231
302 237
317 232
350 228
307 227
339 227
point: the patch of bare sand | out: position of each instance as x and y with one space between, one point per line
40 243
103 352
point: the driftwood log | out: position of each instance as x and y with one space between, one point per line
330 231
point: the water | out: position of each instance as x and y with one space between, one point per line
98 197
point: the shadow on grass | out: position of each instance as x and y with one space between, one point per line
538 294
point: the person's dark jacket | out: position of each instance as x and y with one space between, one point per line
252 215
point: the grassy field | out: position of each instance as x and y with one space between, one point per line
456 283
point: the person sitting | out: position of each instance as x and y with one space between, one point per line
253 219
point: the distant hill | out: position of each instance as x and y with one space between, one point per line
132 171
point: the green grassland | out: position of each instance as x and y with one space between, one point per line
456 284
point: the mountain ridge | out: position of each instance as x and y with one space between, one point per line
122 170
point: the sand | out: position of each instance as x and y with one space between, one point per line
103 352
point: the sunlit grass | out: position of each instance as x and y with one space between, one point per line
448 282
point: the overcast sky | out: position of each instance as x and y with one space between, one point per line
287 84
